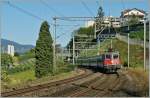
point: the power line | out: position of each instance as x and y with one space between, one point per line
122 1
75 19
85 18
86 7
67 25
51 8
24 11
64 33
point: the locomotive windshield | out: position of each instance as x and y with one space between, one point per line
115 56
108 56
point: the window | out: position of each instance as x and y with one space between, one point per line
108 56
132 13
115 56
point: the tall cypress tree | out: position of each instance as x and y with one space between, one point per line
44 52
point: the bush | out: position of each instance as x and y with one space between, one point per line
4 76
125 64
22 67
6 60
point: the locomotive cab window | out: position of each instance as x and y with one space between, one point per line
115 56
108 56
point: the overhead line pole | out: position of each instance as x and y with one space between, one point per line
86 7
144 43
54 46
149 33
128 51
73 48
95 29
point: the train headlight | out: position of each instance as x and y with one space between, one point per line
112 62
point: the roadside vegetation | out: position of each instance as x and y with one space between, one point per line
140 35
24 73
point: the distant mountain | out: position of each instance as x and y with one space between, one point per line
18 47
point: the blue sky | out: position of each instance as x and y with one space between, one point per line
23 28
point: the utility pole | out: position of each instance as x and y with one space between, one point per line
111 43
62 54
73 48
128 51
128 21
99 44
144 43
149 34
69 51
95 29
54 46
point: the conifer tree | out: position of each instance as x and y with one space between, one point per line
44 52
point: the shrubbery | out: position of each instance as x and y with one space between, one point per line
6 60
139 35
4 76
23 67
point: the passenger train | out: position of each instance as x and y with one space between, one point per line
109 61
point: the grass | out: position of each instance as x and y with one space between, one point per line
27 78
140 35
22 77
140 80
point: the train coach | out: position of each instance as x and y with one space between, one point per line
108 61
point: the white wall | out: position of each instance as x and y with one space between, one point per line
89 23
11 50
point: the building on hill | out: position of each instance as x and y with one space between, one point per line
128 13
107 22
11 50
112 21
89 23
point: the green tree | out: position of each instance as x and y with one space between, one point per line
6 60
44 52
99 19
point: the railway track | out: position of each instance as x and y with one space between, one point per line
89 84
104 85
90 88
22 91
75 86
99 87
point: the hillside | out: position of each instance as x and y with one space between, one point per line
136 52
18 47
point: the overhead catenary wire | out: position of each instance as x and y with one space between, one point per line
67 25
86 7
64 33
76 18
51 8
24 11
